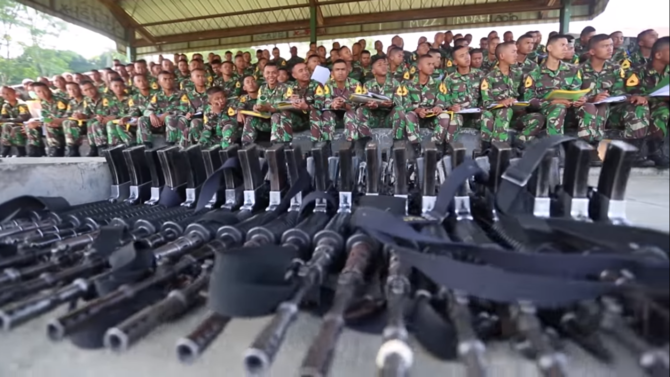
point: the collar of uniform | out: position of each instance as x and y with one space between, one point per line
562 66
416 78
93 101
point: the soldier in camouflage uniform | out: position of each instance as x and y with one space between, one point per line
539 50
186 84
397 67
462 93
642 55
218 122
490 58
554 74
96 112
339 111
60 90
390 114
639 84
74 127
198 100
421 50
307 98
229 82
12 115
250 124
52 116
362 71
581 45
138 102
165 113
620 51
499 92
283 75
258 72
183 73
524 65
117 107
269 95
425 103
141 69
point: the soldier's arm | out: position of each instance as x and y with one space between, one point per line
530 94
152 108
450 97
486 93
237 90
412 98
327 97
24 113
578 80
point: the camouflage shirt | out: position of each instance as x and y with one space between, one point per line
61 95
539 52
580 48
281 62
116 107
93 107
246 102
360 73
270 96
609 79
179 78
643 80
463 90
497 87
211 118
400 74
542 81
331 91
620 56
637 59
432 94
520 70
52 109
488 63
231 88
18 111
75 106
197 101
313 93
138 103
174 104
391 88
153 83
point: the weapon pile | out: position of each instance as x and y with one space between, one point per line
456 252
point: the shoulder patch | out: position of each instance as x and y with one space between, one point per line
413 70
360 89
238 85
243 99
61 105
402 91
154 99
131 103
105 102
406 76
625 64
184 98
484 85
450 63
231 111
154 86
283 63
529 82
326 89
289 92
622 72
579 74
443 88
319 90
204 119
633 80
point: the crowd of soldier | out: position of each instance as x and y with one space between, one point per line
230 99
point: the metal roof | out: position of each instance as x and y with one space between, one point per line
187 25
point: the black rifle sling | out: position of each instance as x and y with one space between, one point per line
15 207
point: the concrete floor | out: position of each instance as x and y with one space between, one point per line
26 352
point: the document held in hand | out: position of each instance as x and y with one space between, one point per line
367 97
256 114
570 95
662 90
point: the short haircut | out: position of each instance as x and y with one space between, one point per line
85 82
213 90
271 64
245 77
312 57
276 48
117 79
644 33
162 73
285 69
476 51
216 61
39 83
458 48
141 61
616 32
339 61
570 38
501 47
182 60
494 39
257 51
197 69
491 33
555 38
525 36
225 63
434 51
460 40
424 57
365 52
660 44
597 39
587 30
130 65
483 39
71 83
335 49
395 49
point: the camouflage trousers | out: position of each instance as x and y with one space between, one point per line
592 120
555 116
55 136
223 132
285 123
530 124
175 126
253 125
127 134
96 133
439 124
642 121
333 119
368 119
73 132
456 122
33 135
12 134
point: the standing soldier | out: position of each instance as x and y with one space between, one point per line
425 104
229 82
217 125
12 116
138 103
338 108
165 114
96 111
52 116
75 126
499 92
462 93
269 95
553 75
306 97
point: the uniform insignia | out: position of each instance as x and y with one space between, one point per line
243 99
402 91
319 91
22 110
413 70
622 72
154 99
485 85
154 86
210 79
283 63
184 98
105 102
625 64
579 74
449 64
4 111
633 80
260 94
69 108
359 89
204 119
529 82
406 76
443 88
131 103
289 92
414 57
326 89
231 111
237 85
61 106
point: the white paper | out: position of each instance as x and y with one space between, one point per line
469 111
616 99
663 92
321 74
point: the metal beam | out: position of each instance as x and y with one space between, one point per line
564 18
361 19
127 21
550 3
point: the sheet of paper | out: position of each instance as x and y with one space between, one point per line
469 111
321 74
616 99
662 92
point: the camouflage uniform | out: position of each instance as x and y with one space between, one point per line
197 103
137 104
520 70
542 81
252 124
392 117
580 49
539 53
495 88
96 132
215 128
50 110
462 90
231 88
118 108
347 118
637 59
428 96
153 83
360 73
73 129
176 125
284 123
621 55
13 133
610 79
643 81
61 95
266 96
401 73
179 78
488 63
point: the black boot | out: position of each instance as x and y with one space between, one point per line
52 152
60 151
656 154
5 150
72 151
149 145
33 151
359 147
20 151
93 151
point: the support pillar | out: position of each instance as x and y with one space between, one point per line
312 24
566 14
131 53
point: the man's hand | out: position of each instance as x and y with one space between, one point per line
508 102
639 100
100 118
455 108
188 115
123 121
580 102
155 121
437 110
78 116
386 103
33 125
420 112
601 96
372 105
563 102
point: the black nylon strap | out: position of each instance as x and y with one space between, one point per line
213 182
15 207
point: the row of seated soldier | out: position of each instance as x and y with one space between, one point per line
443 86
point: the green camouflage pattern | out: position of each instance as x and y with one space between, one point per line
488 63
593 119
432 94
360 73
74 130
11 123
175 105
620 56
642 81
392 117
637 59
401 74
53 109
197 101
519 71
96 133
539 52
61 95
462 90
137 105
214 128
231 88
251 125
284 123
332 118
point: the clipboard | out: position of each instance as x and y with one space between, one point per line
570 95
255 114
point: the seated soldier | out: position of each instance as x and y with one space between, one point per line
554 74
499 89
12 116
251 124
571 56
440 67
397 67
258 72
338 110
306 98
117 107
425 103
186 83
476 58
362 71
388 114
462 93
197 99
524 65
229 82
449 64
60 90
640 83
283 76
620 52
138 103
96 111
74 127
269 95
52 115
218 127
165 114
183 72
490 58
642 55
312 62
421 49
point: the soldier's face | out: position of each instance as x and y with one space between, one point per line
229 56
336 45
321 51
448 37
397 57
166 81
96 76
558 49
275 53
239 62
266 54
156 69
365 60
301 73
130 69
9 94
183 67
270 75
379 46
396 41
439 38
90 91
227 69
68 78
216 68
664 55
357 49
525 46
427 66
649 39
73 91
340 72
586 38
345 54
312 63
294 51
380 68
118 88
262 63
468 37
217 99
59 82
493 44
282 76
476 60
334 55
77 78
250 85
247 57
484 44
422 50
603 50
462 57
437 60
140 69
617 38
198 77
141 82
509 37
167 66
44 93
423 40
509 54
